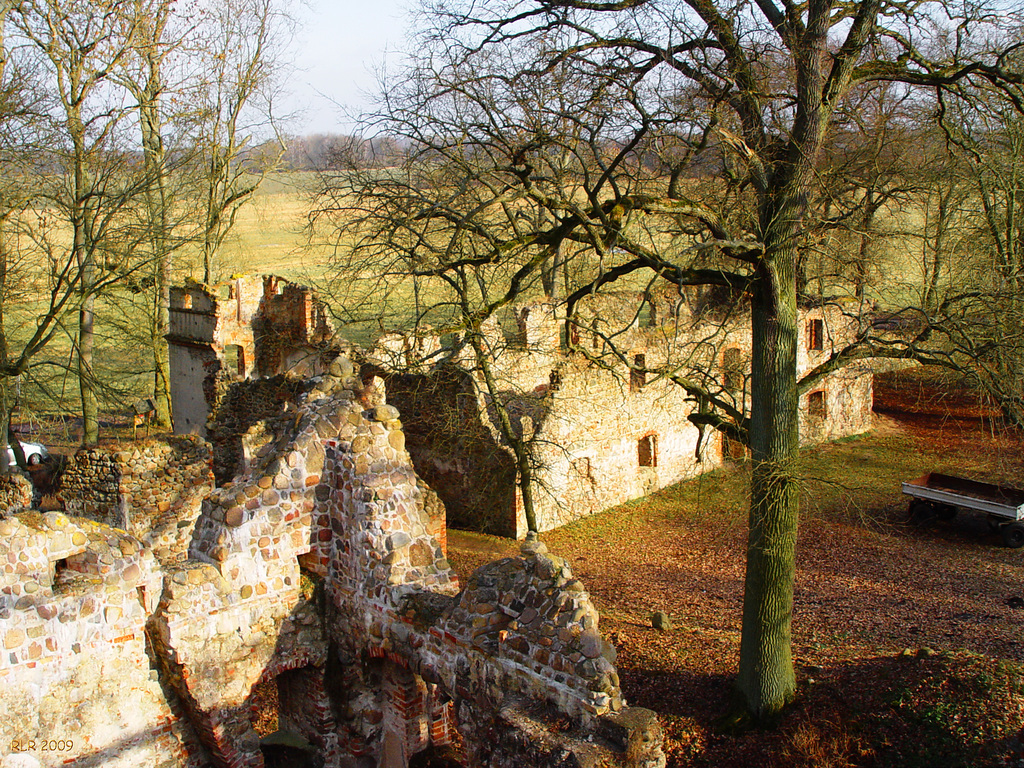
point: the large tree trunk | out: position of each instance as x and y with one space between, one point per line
766 679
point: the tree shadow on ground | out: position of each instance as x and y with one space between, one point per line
914 711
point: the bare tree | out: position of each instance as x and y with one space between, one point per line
974 296
238 58
14 109
77 48
143 76
690 139
111 78
52 236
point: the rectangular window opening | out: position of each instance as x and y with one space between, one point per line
815 335
59 568
816 406
647 451
234 360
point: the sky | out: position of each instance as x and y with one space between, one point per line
338 47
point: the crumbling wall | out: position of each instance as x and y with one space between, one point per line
253 535
455 451
153 489
15 493
245 406
405 352
523 628
600 435
380 667
231 331
218 638
840 404
292 331
78 686
205 323
589 453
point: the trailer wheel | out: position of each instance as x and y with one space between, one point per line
921 512
945 512
1013 535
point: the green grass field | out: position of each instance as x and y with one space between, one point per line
271 235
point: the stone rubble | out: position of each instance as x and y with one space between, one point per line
319 568
15 493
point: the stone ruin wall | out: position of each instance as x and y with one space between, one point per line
524 355
467 465
203 321
847 393
269 325
78 687
522 628
238 429
346 485
383 659
153 489
589 447
245 577
292 331
587 423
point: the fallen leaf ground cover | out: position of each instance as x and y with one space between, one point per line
908 641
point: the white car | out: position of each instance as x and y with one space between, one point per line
34 453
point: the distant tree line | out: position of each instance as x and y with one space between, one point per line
338 152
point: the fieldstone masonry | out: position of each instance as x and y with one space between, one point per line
75 675
318 568
15 492
599 435
153 489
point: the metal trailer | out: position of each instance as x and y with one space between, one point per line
935 496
